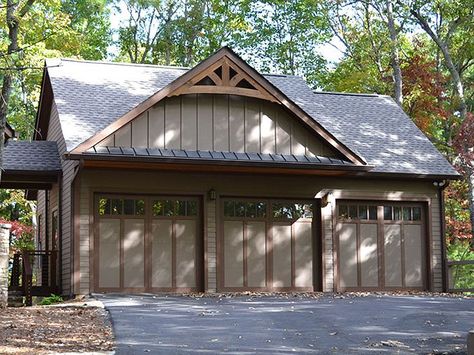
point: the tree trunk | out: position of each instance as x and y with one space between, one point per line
12 23
459 89
395 58
443 46
470 181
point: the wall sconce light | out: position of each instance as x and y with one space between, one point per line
212 195
325 199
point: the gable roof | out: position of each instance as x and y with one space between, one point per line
223 60
92 95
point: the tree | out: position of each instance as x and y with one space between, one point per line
14 12
381 22
283 36
457 16
456 21
177 32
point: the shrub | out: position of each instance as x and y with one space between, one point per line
22 236
51 300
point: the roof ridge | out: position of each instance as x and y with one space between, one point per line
120 63
349 93
106 62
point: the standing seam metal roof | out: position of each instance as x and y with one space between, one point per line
91 95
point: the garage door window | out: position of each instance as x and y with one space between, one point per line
170 208
398 213
117 207
361 212
291 211
251 209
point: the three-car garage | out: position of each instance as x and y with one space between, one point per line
157 244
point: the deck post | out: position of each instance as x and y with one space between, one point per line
470 342
4 258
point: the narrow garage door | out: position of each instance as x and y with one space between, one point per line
266 245
147 244
380 246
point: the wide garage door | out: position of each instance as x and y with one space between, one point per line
147 244
267 245
381 246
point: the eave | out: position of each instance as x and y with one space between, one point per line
214 166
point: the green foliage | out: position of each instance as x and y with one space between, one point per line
51 300
283 36
462 275
14 206
275 36
51 28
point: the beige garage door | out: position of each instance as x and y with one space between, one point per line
147 244
380 246
266 245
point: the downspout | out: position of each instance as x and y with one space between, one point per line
46 213
441 187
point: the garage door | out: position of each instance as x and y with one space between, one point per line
147 244
381 246
266 245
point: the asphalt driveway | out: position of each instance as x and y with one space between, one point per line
278 325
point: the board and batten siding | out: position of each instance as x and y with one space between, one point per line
55 134
219 123
140 182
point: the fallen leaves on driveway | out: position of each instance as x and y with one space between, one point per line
46 329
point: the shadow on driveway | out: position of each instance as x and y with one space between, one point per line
280 325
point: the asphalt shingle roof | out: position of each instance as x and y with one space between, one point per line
35 156
91 95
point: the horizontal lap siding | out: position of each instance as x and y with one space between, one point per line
55 134
84 240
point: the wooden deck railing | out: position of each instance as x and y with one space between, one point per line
460 275
34 273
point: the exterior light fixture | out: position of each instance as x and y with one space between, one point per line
212 195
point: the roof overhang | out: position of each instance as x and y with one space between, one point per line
30 165
208 161
17 179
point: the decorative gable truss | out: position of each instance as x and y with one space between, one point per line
224 77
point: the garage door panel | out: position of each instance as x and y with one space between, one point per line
133 253
281 255
185 253
413 247
256 253
348 255
303 254
369 255
109 253
161 231
233 254
393 255
166 225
